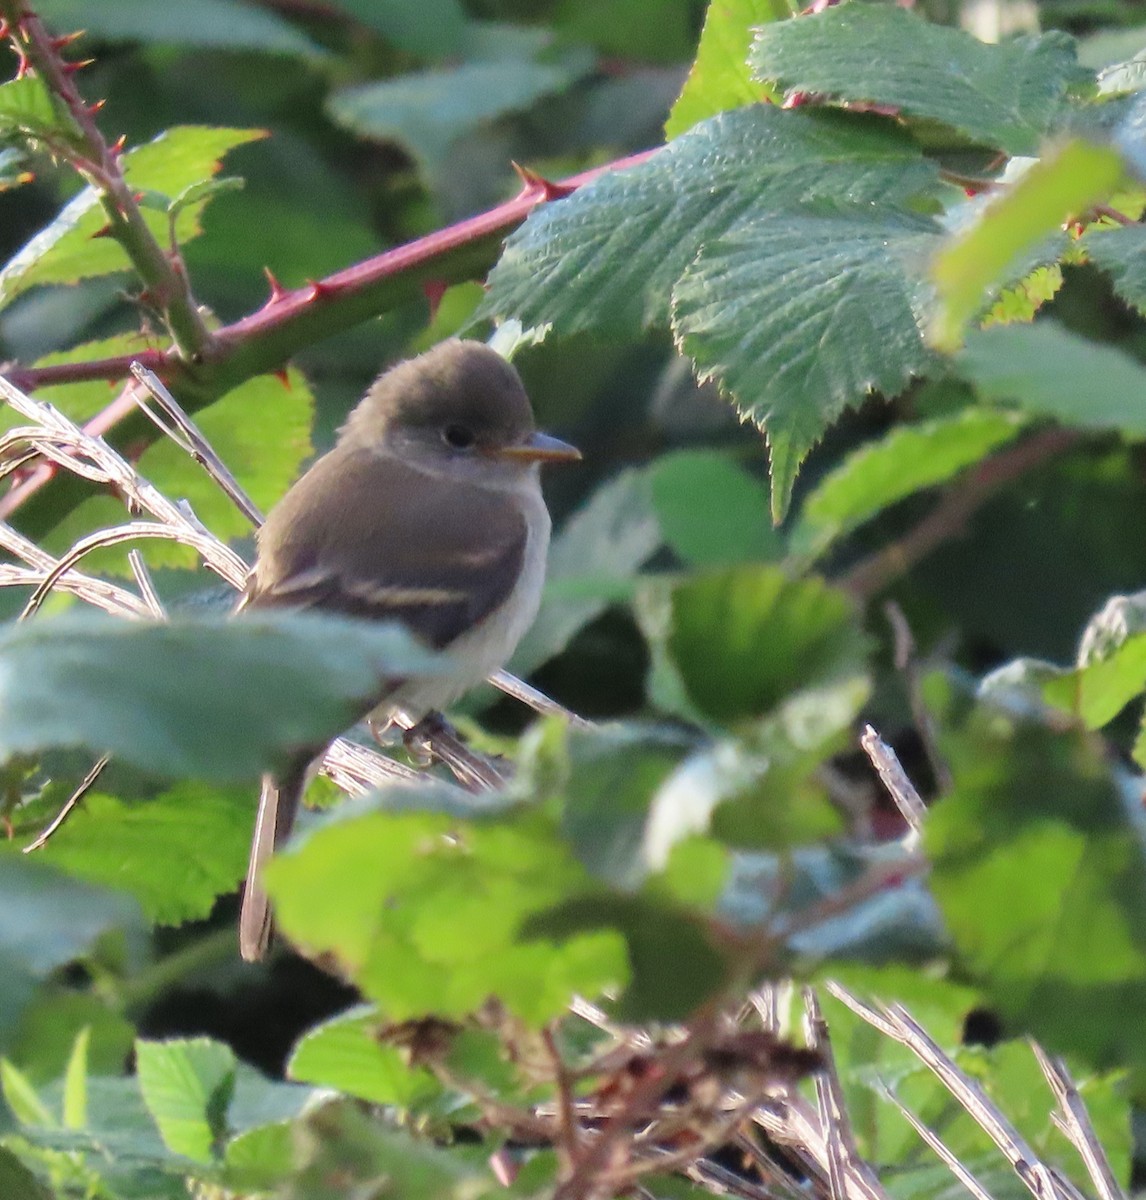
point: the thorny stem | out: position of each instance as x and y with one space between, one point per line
164 276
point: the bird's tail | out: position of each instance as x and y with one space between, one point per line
278 804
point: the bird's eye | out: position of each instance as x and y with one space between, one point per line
458 437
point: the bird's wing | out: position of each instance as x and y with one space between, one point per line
370 538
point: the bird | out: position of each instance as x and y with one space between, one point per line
427 511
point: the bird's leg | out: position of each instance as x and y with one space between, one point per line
419 738
433 738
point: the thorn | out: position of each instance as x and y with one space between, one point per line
798 99
23 66
283 376
318 289
434 290
5 28
70 68
534 184
66 39
117 147
137 196
92 109
102 231
278 292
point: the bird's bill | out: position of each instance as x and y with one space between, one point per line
540 447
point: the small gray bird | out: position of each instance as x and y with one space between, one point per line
428 511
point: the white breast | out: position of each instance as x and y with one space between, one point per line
487 647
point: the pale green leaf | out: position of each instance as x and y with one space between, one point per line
719 78
978 260
187 1086
28 108
906 460
75 1109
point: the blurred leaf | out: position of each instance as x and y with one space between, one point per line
187 1086
1049 371
75 1107
17 1182
1038 871
607 257
49 1027
156 849
593 561
27 107
739 641
802 315
73 246
347 1054
426 913
1121 253
904 461
719 78
1006 95
430 29
1058 188
1098 692
645 30
711 511
223 24
49 920
210 698
22 1099
427 113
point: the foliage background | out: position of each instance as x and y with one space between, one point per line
991 490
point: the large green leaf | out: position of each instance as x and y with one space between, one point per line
27 107
222 24
906 460
730 645
607 257
1048 371
431 28
1038 869
802 315
72 246
1006 95
187 1086
176 854
209 698
1098 692
426 913
720 78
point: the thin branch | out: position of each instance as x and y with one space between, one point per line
894 778
165 278
69 806
950 516
1076 1124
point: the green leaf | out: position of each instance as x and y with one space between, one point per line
1071 179
1048 371
1006 95
607 257
1022 300
593 561
73 246
1122 254
345 1053
187 1086
154 848
75 1108
210 698
1098 692
801 316
430 29
205 24
711 511
1038 869
428 112
17 1182
425 913
28 108
719 78
906 460
50 920
739 641
22 1099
